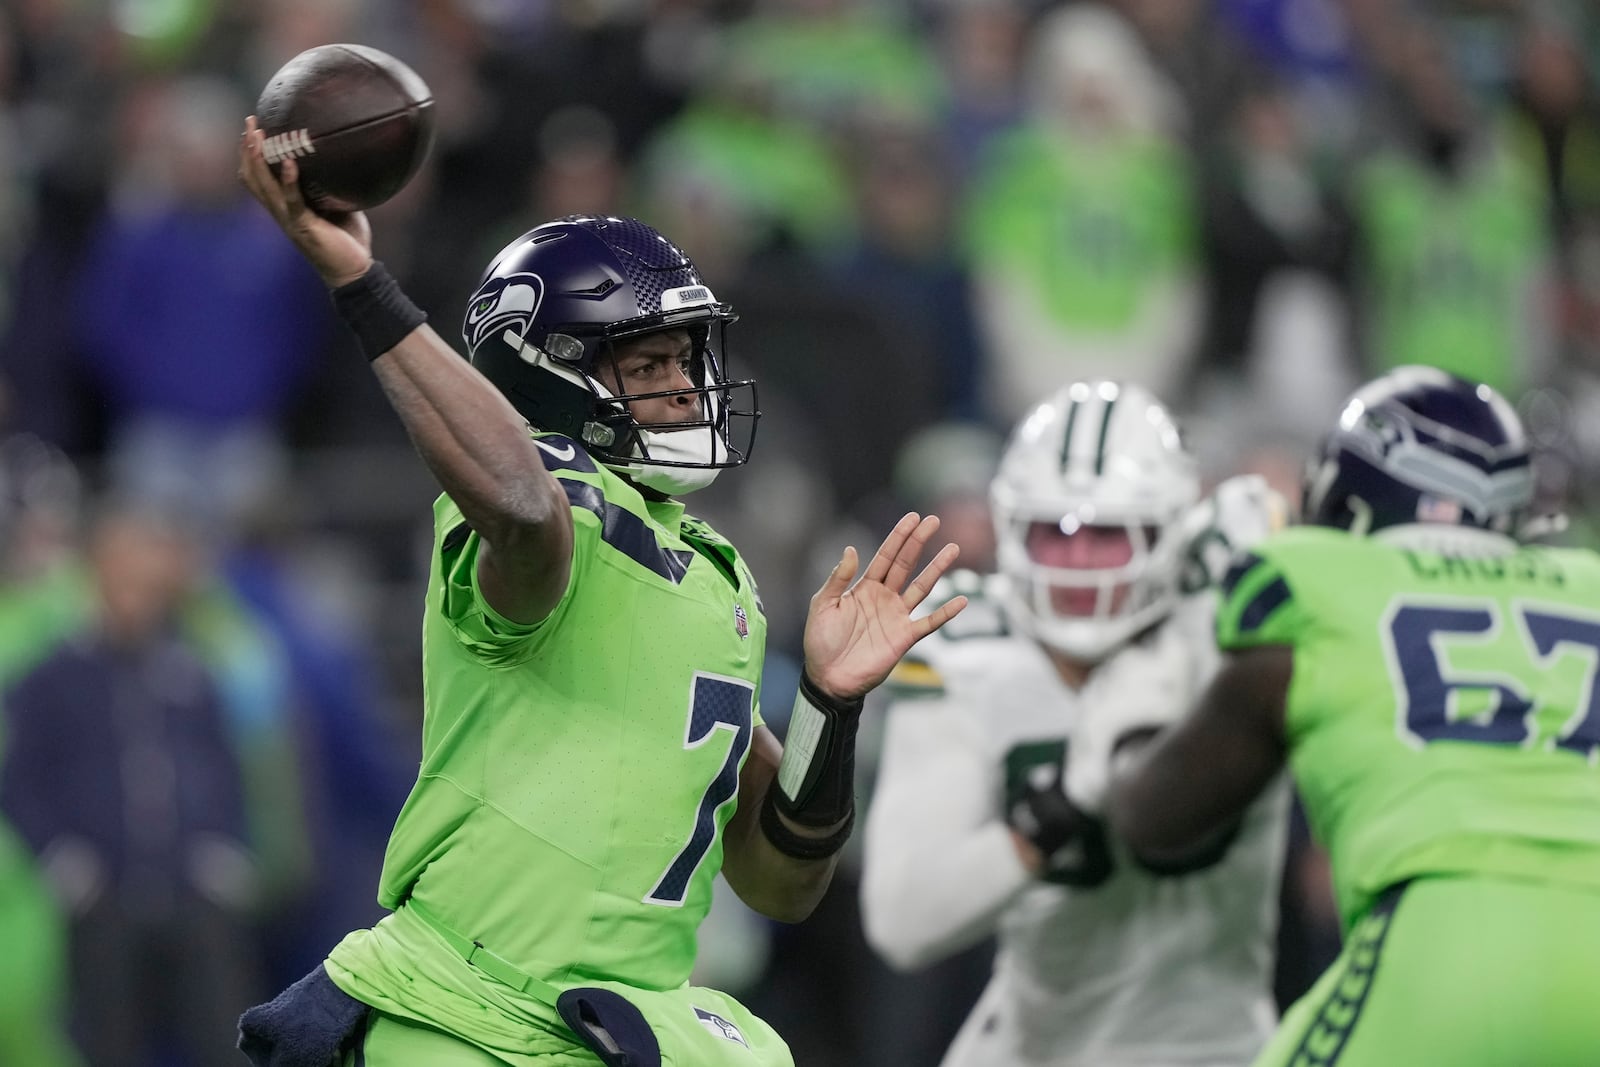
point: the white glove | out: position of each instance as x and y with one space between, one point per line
1239 513
1144 688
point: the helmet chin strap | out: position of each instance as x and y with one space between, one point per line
673 481
1360 516
698 445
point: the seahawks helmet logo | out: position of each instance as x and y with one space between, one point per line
1383 431
512 302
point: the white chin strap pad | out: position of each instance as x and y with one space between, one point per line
699 445
673 481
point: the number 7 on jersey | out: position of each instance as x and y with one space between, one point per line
715 704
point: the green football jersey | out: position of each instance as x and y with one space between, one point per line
1443 715
577 774
1095 228
1450 263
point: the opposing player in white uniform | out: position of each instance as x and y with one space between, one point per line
1096 633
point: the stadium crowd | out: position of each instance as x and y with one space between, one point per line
928 213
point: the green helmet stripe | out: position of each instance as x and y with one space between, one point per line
1066 438
1100 446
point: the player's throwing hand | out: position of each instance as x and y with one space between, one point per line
339 246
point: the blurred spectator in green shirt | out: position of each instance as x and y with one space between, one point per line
1082 225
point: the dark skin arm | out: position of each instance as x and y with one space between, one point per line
778 886
470 436
855 634
1192 784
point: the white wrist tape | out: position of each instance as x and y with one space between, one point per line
816 784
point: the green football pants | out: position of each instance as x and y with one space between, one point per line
393 1041
1457 971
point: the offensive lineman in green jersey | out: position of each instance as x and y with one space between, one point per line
1431 680
593 750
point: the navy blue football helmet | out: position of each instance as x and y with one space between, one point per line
1421 445
546 313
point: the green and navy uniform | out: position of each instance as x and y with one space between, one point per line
1442 724
576 776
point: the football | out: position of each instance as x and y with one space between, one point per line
357 121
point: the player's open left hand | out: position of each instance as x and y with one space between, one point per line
855 634
339 247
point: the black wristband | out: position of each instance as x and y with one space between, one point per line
377 312
816 779
796 845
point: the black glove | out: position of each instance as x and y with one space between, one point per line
1072 842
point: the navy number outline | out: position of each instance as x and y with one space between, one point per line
1550 633
716 704
1426 693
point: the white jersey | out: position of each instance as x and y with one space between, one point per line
1124 969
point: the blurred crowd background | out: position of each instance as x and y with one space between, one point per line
213 533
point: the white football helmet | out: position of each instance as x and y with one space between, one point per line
1097 454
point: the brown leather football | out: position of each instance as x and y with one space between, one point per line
357 121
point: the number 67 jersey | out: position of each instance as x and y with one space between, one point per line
1444 715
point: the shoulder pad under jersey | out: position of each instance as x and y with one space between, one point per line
922 671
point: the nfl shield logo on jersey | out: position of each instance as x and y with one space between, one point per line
741 621
720 1026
